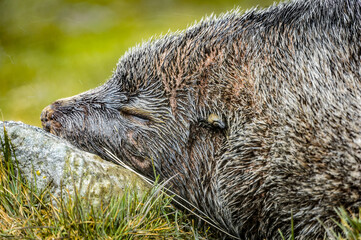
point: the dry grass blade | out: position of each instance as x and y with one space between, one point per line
27 212
200 214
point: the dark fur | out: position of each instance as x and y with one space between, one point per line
256 116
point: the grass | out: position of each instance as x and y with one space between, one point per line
26 212
349 224
29 213
56 49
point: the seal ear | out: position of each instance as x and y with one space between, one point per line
216 121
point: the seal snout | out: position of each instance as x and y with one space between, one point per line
47 118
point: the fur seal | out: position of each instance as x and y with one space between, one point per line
254 117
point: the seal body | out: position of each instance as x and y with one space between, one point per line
253 117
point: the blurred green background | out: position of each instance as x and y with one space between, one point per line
52 49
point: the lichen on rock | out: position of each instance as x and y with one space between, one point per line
47 160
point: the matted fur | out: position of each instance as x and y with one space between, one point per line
256 116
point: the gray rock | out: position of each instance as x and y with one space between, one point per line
47 159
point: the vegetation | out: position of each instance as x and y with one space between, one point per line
350 226
26 212
55 49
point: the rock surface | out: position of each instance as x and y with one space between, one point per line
46 159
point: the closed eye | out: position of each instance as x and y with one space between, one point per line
137 114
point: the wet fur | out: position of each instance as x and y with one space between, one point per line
286 83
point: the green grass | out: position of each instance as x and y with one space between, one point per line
56 49
349 224
26 212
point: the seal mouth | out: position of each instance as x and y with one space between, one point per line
47 120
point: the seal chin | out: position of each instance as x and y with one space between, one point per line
47 120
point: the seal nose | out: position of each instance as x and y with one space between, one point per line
46 117
50 115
